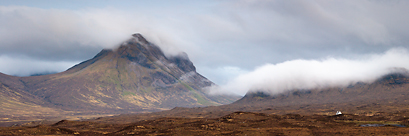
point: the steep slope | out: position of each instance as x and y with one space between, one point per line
136 76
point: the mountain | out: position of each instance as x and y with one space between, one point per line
134 77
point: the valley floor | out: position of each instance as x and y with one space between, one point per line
236 123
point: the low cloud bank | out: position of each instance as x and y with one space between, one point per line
25 66
310 74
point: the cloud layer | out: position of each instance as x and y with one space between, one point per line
312 74
23 66
217 35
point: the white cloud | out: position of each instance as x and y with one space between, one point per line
26 29
311 74
24 66
222 75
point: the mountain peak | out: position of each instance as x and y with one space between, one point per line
140 38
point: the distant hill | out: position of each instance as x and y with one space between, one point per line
389 93
388 87
43 73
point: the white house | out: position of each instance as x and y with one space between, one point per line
338 113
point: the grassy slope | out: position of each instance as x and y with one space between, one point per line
113 82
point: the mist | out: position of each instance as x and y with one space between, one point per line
26 66
222 38
315 74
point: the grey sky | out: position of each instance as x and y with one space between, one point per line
222 38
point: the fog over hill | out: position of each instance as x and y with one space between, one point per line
329 72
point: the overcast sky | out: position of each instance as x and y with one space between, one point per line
225 39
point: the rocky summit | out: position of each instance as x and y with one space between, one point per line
134 77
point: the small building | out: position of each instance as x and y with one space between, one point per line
338 113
